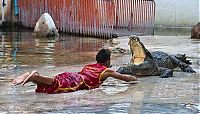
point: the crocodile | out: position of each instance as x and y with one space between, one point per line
195 32
144 62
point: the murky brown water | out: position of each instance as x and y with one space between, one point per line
21 52
25 49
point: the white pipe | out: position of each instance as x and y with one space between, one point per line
2 11
199 10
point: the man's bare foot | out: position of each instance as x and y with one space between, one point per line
20 79
31 76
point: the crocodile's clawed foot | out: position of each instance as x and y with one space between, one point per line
186 68
123 70
168 73
189 70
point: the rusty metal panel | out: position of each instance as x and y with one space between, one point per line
91 17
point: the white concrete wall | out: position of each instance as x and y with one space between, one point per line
177 13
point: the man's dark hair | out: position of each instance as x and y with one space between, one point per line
103 56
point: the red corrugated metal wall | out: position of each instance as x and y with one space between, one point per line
90 17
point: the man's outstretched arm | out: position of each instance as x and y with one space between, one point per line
111 73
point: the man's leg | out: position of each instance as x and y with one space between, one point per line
36 78
33 77
20 79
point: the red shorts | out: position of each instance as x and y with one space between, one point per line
65 82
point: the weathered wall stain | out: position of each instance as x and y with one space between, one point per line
177 13
90 17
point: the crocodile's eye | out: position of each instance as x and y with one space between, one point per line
135 39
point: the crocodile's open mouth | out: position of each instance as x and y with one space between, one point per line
137 50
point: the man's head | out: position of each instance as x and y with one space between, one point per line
103 56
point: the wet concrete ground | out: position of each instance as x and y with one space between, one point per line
174 95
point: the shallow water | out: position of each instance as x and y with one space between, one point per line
19 47
21 52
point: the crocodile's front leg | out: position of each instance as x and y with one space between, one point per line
165 72
183 66
124 70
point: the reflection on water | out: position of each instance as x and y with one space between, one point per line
21 48
170 108
114 108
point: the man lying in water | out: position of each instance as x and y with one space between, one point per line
90 77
